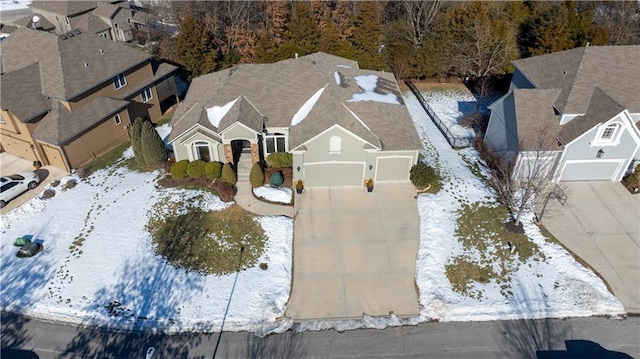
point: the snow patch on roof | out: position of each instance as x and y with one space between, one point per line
303 112
216 113
357 118
344 66
337 77
368 84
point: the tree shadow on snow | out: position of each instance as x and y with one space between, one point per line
137 305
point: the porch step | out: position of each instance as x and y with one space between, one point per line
243 177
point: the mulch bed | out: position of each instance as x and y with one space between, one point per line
287 173
511 227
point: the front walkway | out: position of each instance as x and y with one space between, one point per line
599 223
355 253
245 199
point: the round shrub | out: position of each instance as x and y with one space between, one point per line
179 169
228 174
422 175
277 179
195 169
256 177
212 170
280 159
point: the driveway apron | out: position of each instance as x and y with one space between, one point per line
355 253
600 223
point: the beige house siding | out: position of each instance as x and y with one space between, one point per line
53 156
15 137
351 148
100 139
238 131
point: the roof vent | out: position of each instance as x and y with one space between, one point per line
564 72
70 34
86 64
101 51
63 37
77 31
296 55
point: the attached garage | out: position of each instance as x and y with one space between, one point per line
605 170
18 147
53 156
393 168
334 174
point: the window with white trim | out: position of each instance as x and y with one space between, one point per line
117 119
202 151
1 118
119 81
67 20
146 94
608 135
276 142
335 145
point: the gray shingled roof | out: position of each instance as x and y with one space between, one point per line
61 125
42 24
62 60
278 90
537 123
92 23
66 7
13 87
105 10
614 69
601 109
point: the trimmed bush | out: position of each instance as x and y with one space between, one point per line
228 175
280 159
277 179
195 169
179 169
256 177
153 149
422 175
212 170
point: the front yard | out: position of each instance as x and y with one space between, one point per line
111 255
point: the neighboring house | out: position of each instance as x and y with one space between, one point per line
6 30
342 124
67 99
578 108
109 19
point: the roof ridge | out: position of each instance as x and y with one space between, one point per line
573 81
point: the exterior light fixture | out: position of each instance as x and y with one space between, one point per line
600 153
370 167
298 168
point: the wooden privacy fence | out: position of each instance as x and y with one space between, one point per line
455 142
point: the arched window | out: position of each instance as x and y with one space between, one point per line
335 145
202 151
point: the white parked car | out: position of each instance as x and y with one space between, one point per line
15 185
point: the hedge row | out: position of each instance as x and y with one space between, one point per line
196 169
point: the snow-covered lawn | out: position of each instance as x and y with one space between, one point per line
113 276
555 286
7 5
274 194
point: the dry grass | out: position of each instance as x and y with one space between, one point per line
481 230
208 242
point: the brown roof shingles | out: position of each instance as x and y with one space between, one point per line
614 69
63 60
66 7
536 121
20 93
601 109
60 125
278 91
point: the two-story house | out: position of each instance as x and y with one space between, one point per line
578 109
66 99
109 19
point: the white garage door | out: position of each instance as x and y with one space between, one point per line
334 174
393 168
591 171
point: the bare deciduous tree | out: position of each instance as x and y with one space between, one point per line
524 181
419 16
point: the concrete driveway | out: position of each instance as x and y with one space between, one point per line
10 164
600 222
355 253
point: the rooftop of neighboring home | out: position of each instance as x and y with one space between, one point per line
68 65
307 95
577 72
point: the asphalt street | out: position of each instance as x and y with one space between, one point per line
23 337
8 16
